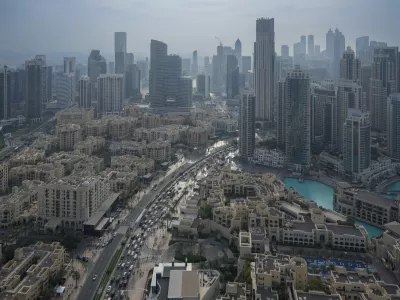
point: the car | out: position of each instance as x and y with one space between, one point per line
94 277
115 234
109 288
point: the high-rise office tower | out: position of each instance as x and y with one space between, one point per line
310 43
303 43
207 66
96 65
201 84
238 53
129 59
186 66
218 64
110 93
362 49
206 60
393 126
281 114
297 118
195 65
5 93
356 142
232 77
120 51
111 67
132 82
246 69
35 87
298 56
168 90
383 82
329 43
49 83
285 51
247 125
317 51
69 65
324 115
264 62
65 89
208 87
349 96
338 49
366 72
84 89
350 66
144 68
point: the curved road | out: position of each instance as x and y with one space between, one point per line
90 286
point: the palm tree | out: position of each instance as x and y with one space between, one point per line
76 275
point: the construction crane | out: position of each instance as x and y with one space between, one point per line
219 40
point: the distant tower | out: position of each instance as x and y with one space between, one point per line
5 93
35 87
356 142
232 77
110 93
393 126
111 67
69 65
96 65
195 64
247 129
350 66
311 45
238 53
317 51
264 62
84 88
297 118
285 51
329 43
120 51
338 49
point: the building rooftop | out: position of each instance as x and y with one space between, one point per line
306 226
317 296
393 227
375 199
343 229
183 284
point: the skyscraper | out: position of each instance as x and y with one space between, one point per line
349 96
5 93
69 65
350 66
49 83
120 51
317 51
218 64
96 65
285 51
129 59
383 82
297 118
111 67
238 53
338 49
207 66
35 87
232 77
356 142
246 68
195 65
168 90
311 45
329 43
393 126
303 43
264 62
362 48
132 82
186 66
65 89
247 125
324 115
201 84
110 93
84 89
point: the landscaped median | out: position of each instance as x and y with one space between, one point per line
106 276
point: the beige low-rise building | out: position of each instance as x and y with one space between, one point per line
124 183
132 111
387 246
68 136
90 165
42 172
197 137
20 205
27 156
171 133
91 144
130 163
159 151
151 121
45 142
120 128
67 159
3 177
71 201
128 148
96 128
75 115
28 273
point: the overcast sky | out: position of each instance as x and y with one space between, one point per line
80 25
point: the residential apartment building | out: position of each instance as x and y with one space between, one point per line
129 163
387 246
75 115
27 156
71 201
42 172
91 144
171 133
28 273
68 136
3 177
197 137
270 158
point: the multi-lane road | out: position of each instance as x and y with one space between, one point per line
90 286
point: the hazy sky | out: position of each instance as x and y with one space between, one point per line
80 25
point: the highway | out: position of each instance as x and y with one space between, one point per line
89 288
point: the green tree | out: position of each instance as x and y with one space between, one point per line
71 240
76 275
205 212
8 252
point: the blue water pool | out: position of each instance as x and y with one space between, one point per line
322 194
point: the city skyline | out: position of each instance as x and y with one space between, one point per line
87 32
